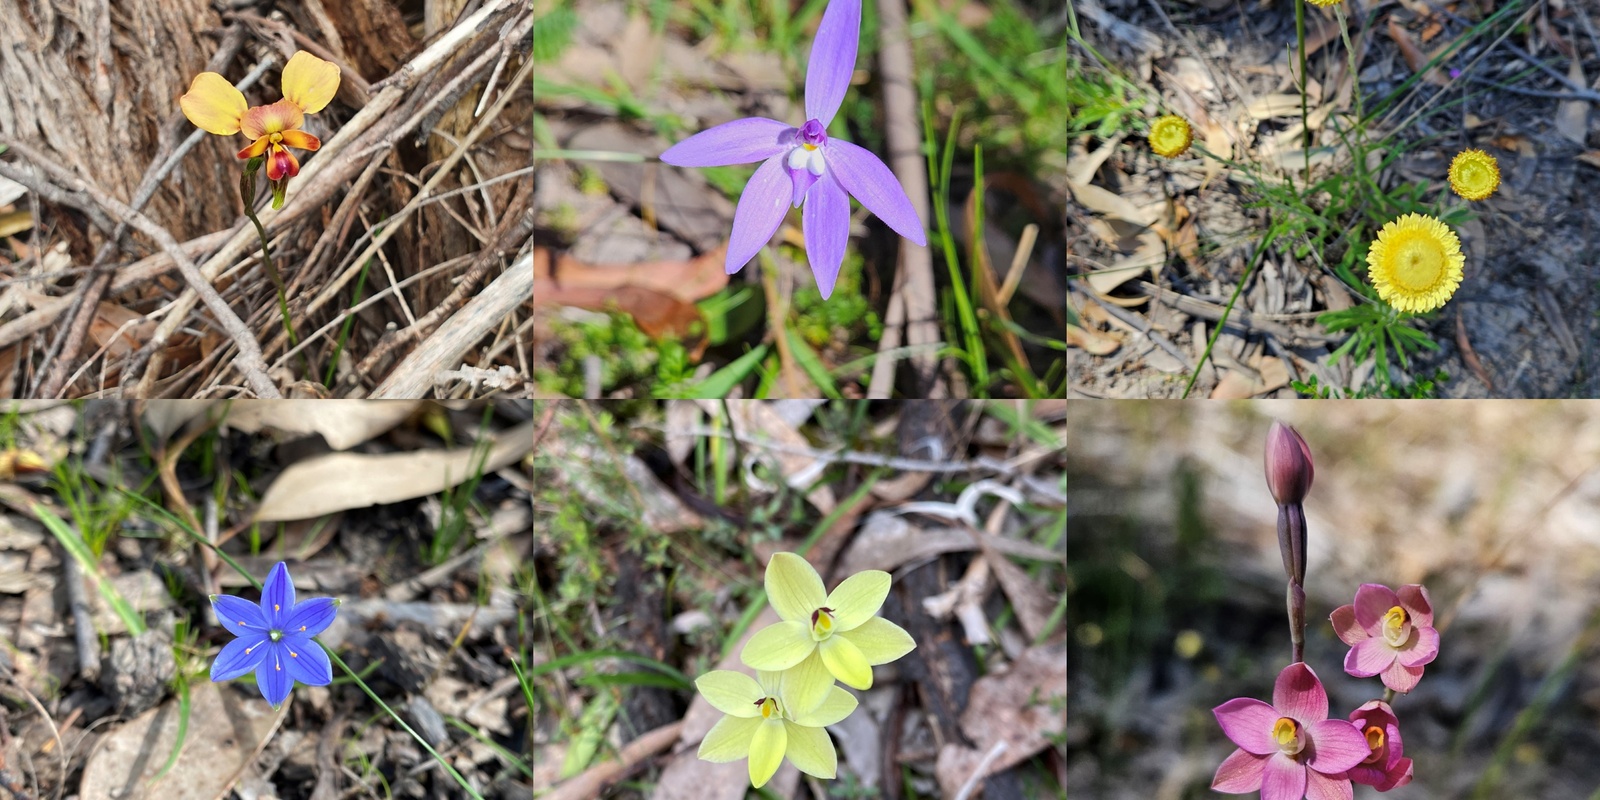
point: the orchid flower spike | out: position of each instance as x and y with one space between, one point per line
804 166
309 84
274 638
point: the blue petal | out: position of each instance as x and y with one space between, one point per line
867 179
277 596
239 657
271 677
311 617
833 59
738 142
241 617
307 663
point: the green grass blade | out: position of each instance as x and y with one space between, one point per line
74 544
183 730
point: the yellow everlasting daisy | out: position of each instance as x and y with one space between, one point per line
1324 3
1474 174
1170 136
1416 263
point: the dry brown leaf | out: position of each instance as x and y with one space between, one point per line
1590 157
342 481
1572 116
1092 341
119 330
757 419
688 281
1020 709
887 540
225 726
1413 55
343 424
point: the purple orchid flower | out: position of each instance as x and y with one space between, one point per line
274 638
803 164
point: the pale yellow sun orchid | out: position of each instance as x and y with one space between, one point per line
761 725
309 84
824 636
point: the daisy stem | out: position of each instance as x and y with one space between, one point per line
1305 125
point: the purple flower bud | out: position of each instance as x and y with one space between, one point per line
1289 470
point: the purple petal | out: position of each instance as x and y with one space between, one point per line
241 617
307 663
311 617
1373 600
1299 695
277 596
869 181
1336 746
760 210
239 657
1283 779
1327 787
738 142
826 219
1399 775
271 677
1248 722
833 59
1239 773
1423 650
1368 658
802 180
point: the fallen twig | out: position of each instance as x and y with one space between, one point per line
589 782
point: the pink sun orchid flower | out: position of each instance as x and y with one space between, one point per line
803 165
1390 634
1386 767
1290 749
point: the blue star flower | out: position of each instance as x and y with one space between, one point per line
274 638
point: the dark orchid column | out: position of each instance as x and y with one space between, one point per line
1289 474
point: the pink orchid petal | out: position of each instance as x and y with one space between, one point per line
826 220
1336 746
1328 787
1368 658
1423 650
866 178
760 211
1298 694
1248 722
1345 625
1401 678
1367 776
1399 775
833 59
1373 600
1283 779
738 142
1239 773
1414 599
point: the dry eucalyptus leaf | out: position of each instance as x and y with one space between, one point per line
225 724
1019 708
342 481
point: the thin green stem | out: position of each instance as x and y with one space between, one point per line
1305 118
272 272
1266 241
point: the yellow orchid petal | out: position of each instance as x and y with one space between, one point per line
301 140
778 646
793 587
729 740
832 711
846 663
811 750
880 641
859 597
805 685
309 82
766 751
213 105
256 148
262 121
732 693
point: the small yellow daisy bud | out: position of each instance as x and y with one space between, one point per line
1416 263
1170 136
1474 174
1324 3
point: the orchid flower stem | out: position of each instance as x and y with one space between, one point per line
1305 125
1388 696
1297 621
247 194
